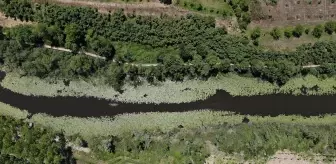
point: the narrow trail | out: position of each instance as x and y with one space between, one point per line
145 64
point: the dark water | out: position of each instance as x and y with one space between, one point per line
91 107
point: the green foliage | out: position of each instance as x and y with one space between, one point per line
276 33
100 45
167 2
21 9
288 33
317 31
298 31
256 33
73 38
195 37
307 30
22 142
115 76
257 140
330 27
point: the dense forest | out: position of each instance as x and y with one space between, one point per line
204 50
183 145
24 143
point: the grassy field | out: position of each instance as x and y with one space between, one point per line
174 92
142 53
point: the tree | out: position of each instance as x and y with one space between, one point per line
73 39
298 31
115 76
317 31
330 27
214 62
100 45
256 33
2 36
174 67
80 65
55 36
257 67
276 33
187 52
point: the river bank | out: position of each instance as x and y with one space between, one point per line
263 105
174 92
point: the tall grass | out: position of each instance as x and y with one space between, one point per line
168 92
7 110
90 127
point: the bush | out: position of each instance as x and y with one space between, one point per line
298 31
276 33
288 33
317 32
256 33
307 30
330 27
167 2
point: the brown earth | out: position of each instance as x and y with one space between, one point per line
292 12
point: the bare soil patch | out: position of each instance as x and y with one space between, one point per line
293 12
287 157
9 22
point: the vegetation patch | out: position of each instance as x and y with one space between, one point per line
7 110
195 136
174 92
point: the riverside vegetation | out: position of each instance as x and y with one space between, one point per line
194 37
185 137
21 142
197 51
175 92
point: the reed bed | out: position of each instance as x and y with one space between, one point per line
168 91
154 121
7 110
165 122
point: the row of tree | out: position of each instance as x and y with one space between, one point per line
298 31
23 143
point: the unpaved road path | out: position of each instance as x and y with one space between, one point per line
145 64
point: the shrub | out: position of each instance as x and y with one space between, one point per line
317 31
276 33
256 33
167 2
330 27
288 33
298 31
256 42
307 30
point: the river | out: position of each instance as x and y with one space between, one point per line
92 107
